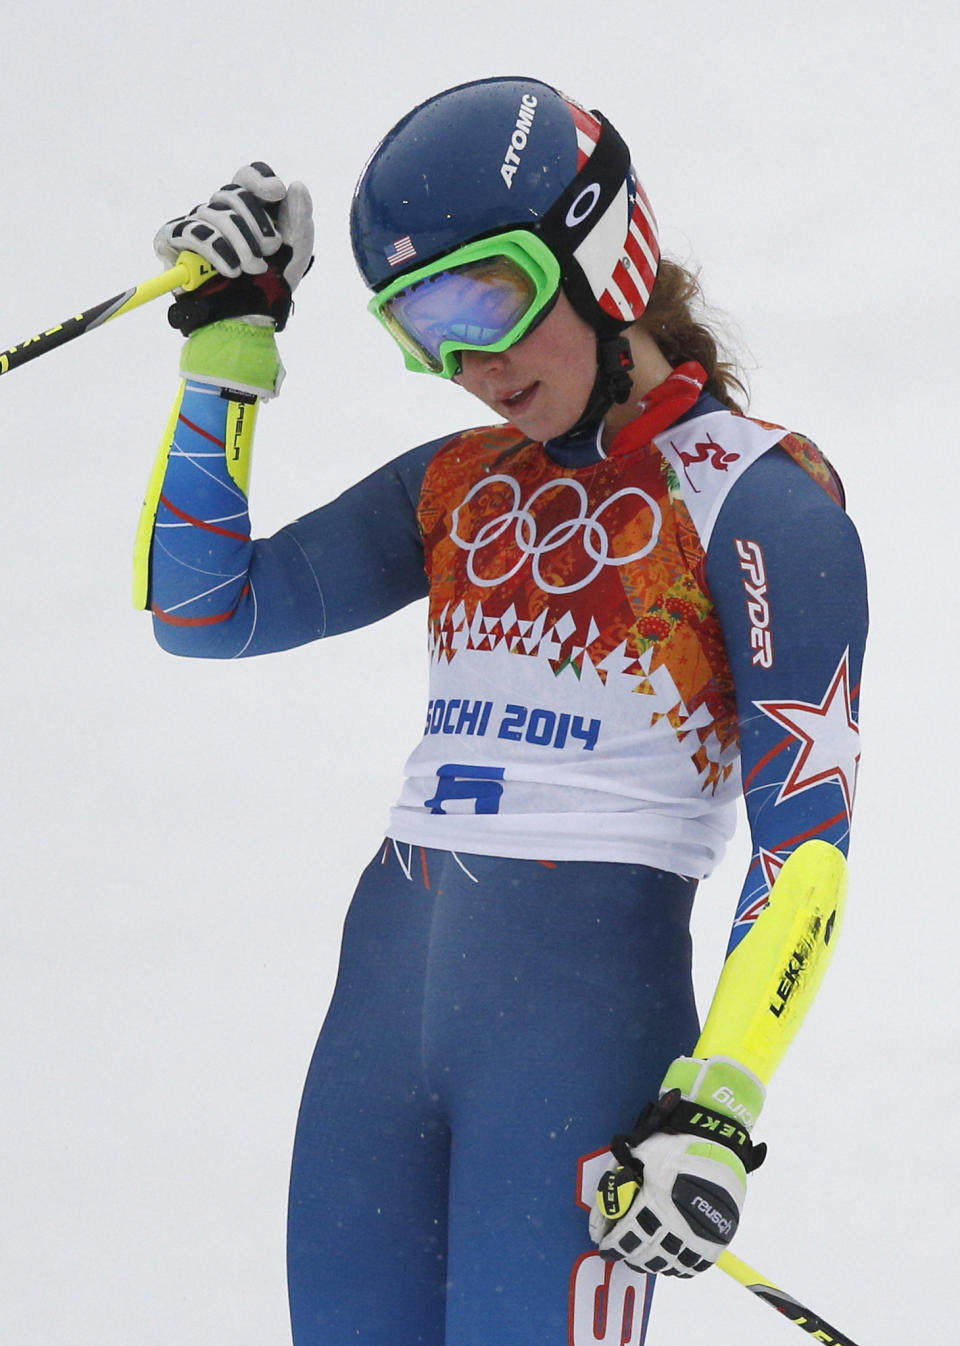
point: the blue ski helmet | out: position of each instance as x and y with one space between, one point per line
511 153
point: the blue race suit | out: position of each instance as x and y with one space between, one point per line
619 643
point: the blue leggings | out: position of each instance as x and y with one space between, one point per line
494 1023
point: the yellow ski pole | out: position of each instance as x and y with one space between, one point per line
190 272
791 1308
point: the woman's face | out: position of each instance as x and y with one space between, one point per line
542 384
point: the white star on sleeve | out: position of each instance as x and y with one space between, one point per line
829 737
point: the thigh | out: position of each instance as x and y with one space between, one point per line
368 1192
557 997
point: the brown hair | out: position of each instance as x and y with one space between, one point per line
676 318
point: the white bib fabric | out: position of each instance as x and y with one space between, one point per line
578 708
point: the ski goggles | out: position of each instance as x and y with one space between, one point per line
483 297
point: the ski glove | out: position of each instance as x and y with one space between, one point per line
675 1200
259 236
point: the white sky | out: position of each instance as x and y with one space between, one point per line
180 839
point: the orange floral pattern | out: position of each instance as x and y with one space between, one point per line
609 548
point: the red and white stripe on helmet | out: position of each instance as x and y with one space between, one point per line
620 267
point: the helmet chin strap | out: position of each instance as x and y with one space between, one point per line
613 384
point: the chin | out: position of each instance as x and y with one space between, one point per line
542 428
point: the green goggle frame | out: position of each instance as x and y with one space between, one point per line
430 347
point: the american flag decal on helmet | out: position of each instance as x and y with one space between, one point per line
625 292
401 251
633 277
588 132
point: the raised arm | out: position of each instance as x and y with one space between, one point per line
214 591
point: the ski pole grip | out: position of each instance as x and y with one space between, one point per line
193 270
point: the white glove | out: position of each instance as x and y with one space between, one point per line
675 1202
244 224
258 234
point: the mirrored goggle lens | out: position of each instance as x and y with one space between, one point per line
476 304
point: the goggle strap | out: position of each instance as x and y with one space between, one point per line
578 208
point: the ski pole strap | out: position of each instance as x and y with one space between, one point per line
676 1115
267 293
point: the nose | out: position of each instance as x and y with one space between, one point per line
482 362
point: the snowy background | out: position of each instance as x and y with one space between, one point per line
180 840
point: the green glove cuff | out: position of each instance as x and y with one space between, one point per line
235 354
718 1083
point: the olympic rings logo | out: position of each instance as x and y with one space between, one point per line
521 519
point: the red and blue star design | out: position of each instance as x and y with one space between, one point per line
828 735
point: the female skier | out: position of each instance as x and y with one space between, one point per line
640 602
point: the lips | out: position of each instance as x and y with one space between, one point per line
518 399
